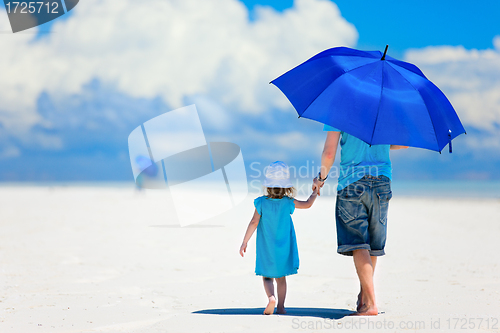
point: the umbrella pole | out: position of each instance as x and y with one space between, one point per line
385 52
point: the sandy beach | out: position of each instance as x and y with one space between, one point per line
102 259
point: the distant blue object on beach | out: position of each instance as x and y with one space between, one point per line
373 97
145 163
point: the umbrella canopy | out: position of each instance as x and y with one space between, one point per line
373 97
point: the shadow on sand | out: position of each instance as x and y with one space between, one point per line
188 226
297 312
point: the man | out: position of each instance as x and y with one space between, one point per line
363 194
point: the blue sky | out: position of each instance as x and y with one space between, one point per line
70 98
415 23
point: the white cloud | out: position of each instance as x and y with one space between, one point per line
275 146
469 78
296 141
496 42
212 114
171 49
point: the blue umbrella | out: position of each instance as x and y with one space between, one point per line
373 97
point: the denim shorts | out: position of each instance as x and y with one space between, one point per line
361 215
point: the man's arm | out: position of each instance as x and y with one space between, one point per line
396 147
327 158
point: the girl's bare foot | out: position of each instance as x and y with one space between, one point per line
270 306
281 310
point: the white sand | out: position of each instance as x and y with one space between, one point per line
110 260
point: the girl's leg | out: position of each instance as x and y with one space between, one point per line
269 288
281 286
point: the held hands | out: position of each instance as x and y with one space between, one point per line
315 191
243 249
317 184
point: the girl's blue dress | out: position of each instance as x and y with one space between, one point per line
277 253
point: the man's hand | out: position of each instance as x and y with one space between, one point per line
317 185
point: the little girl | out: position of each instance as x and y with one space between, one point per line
277 254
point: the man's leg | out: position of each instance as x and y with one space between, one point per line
364 269
377 225
360 303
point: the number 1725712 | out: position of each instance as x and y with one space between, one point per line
472 323
32 7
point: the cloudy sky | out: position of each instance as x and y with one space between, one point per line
72 90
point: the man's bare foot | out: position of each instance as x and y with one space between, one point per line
270 306
359 303
366 311
281 310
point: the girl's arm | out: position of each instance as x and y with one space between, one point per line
254 222
306 204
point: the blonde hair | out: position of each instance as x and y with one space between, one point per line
279 192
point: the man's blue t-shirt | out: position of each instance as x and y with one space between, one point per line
359 159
